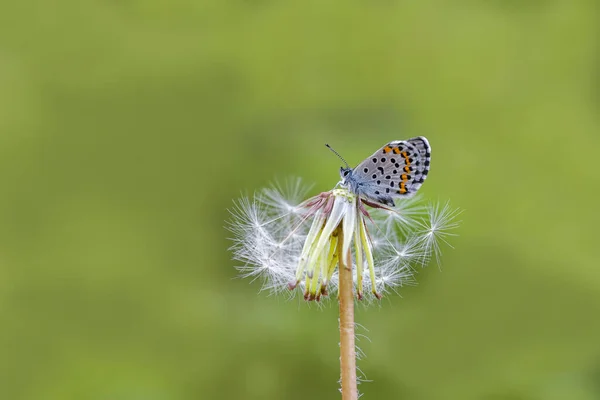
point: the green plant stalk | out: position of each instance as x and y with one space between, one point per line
347 345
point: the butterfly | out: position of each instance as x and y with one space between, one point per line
396 170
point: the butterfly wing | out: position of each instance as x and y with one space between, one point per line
396 170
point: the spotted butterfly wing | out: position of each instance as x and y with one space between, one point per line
396 170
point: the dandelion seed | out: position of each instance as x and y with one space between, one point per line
437 228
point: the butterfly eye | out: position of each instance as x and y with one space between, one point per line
346 173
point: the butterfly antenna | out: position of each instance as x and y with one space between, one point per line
337 154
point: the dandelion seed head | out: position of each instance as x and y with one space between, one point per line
285 241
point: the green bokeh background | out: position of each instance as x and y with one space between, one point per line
127 128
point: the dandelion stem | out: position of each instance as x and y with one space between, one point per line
347 346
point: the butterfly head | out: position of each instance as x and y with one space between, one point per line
345 174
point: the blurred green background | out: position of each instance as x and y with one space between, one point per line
127 128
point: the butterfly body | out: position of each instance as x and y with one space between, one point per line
396 170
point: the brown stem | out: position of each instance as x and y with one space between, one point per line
347 346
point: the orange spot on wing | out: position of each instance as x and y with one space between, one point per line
402 188
396 150
404 177
406 161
